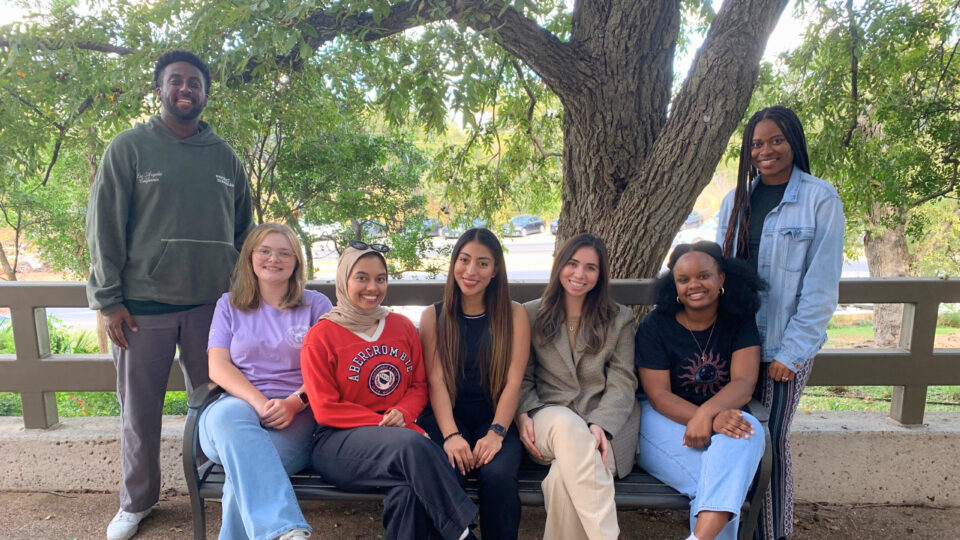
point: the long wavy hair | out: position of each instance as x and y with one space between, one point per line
494 355
739 224
599 309
244 290
741 285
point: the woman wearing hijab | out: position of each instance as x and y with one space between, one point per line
363 372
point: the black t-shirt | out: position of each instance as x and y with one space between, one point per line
663 343
763 199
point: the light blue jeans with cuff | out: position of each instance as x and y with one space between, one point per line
258 501
716 477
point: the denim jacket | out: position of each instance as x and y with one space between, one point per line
801 254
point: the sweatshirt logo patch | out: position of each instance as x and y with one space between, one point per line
224 180
294 336
384 379
148 177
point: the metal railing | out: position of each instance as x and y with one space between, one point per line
37 374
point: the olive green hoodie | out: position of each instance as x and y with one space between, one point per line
166 218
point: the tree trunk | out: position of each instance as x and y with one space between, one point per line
8 271
631 173
887 256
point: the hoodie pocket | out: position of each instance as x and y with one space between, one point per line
193 271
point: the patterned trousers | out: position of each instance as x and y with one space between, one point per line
782 399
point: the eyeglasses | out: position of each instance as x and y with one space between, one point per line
282 254
379 248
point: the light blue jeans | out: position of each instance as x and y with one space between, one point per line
258 501
715 478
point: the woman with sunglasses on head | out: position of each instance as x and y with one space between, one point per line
476 343
578 412
697 355
789 226
260 430
363 370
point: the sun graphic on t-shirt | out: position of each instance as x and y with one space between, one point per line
705 377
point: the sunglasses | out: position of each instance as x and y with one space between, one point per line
379 248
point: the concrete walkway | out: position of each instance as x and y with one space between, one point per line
53 516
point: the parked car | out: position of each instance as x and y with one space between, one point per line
693 221
553 226
523 225
431 227
706 231
455 229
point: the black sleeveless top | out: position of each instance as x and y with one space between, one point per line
473 405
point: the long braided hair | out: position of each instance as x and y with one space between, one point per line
739 224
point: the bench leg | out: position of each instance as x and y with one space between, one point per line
199 517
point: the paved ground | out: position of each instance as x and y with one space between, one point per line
60 516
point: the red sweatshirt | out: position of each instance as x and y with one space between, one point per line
352 381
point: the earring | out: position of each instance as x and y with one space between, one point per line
722 291
678 300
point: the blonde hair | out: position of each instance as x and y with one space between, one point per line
244 290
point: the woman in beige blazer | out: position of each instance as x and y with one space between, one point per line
578 411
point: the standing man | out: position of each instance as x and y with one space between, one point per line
168 212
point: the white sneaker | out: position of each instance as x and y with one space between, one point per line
125 524
295 534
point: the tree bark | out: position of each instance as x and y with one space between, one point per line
887 256
8 271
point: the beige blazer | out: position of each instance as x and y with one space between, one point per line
601 387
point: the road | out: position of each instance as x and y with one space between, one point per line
528 259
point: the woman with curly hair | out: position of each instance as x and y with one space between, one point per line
698 354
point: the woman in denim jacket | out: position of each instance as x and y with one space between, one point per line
789 225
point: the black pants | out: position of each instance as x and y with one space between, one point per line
499 487
422 493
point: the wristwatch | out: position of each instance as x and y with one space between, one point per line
498 429
304 399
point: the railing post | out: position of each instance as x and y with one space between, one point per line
39 409
917 332
32 342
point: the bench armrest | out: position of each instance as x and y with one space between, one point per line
204 395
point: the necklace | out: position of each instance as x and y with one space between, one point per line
703 350
573 325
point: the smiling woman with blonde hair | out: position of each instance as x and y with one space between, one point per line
260 430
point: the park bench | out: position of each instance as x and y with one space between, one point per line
636 490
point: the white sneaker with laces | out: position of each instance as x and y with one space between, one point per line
125 524
295 534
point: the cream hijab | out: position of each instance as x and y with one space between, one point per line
346 313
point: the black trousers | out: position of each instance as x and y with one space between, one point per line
499 486
423 496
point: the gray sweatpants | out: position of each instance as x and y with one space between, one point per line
142 373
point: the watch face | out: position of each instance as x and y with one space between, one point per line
303 398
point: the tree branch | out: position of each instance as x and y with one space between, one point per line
530 110
552 60
945 191
714 97
84 45
854 75
33 107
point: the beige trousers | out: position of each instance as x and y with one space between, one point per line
578 490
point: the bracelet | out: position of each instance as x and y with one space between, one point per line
450 436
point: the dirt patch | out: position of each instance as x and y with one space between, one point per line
72 515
